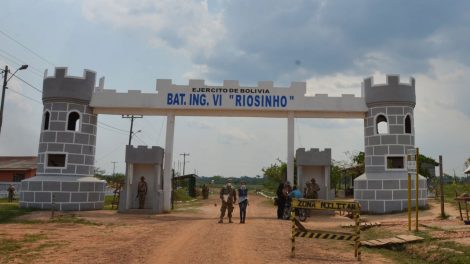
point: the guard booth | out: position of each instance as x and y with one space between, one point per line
143 162
186 181
315 164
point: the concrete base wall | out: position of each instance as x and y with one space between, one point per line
68 193
379 193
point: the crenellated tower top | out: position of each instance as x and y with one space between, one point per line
62 87
391 93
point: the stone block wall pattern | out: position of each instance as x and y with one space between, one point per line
382 189
313 157
71 184
67 196
144 155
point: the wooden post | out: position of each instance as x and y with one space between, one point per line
53 206
409 202
466 209
441 183
417 188
357 244
292 252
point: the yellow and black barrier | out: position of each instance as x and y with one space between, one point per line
326 235
298 230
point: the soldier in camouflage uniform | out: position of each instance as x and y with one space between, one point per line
141 192
315 189
11 193
228 196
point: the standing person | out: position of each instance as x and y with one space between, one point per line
228 197
315 189
308 191
142 192
11 193
296 194
280 200
242 201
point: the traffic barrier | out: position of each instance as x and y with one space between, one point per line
298 230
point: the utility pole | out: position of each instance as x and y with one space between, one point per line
114 166
184 160
130 137
4 87
441 176
132 125
5 74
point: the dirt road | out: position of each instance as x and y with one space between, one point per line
192 236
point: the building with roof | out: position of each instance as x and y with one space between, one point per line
16 169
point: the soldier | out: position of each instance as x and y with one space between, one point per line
11 193
308 191
141 192
228 197
242 201
315 189
205 192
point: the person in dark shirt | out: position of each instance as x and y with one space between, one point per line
281 200
242 201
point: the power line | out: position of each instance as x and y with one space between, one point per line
141 140
99 159
28 49
118 132
19 64
30 85
25 96
18 61
104 124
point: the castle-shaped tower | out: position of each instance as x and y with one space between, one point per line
388 134
65 165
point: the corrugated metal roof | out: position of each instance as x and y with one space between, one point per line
20 162
467 170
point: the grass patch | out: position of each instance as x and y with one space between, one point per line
8 211
24 250
108 203
72 219
182 195
192 206
10 245
31 238
428 251
449 191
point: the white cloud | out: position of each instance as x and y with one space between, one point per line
183 25
234 136
335 84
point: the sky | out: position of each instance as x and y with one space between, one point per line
332 45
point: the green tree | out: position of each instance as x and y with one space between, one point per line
467 163
276 172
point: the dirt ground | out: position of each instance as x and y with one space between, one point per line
192 236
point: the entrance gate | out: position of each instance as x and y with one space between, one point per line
66 150
231 100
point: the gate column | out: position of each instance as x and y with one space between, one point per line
290 147
167 169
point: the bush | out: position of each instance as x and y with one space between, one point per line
181 195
